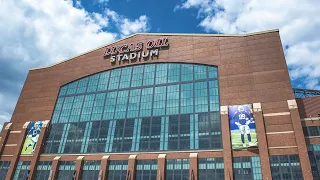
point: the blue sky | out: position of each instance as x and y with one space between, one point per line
35 33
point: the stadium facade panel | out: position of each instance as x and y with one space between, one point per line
164 106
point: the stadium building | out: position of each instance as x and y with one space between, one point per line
163 107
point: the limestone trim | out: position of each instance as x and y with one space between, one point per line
283 147
276 114
283 132
15 132
311 119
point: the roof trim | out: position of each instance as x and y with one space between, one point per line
160 34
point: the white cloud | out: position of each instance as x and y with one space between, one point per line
298 23
128 26
36 33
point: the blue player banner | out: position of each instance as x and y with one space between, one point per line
242 126
31 140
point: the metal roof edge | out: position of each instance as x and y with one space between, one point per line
159 34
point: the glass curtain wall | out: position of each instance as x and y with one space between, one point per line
150 107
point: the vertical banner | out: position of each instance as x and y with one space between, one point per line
242 126
31 140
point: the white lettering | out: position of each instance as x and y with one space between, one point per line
119 57
125 57
133 55
113 58
154 52
145 54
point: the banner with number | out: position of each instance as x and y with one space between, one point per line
242 126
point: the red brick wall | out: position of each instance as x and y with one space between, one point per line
309 106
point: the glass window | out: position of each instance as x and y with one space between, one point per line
311 131
137 76
314 157
114 79
93 83
4 167
210 168
173 73
285 167
43 170
146 102
161 73
125 77
186 101
146 169
66 170
121 107
134 103
103 81
148 107
159 104
172 100
90 170
148 75
200 72
247 168
186 72
22 170
117 170
177 169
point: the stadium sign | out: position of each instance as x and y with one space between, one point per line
128 52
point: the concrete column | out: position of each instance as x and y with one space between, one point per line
131 173
300 140
16 154
54 168
78 167
227 149
5 135
161 167
38 150
103 174
193 166
262 141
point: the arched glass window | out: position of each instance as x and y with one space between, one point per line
149 107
